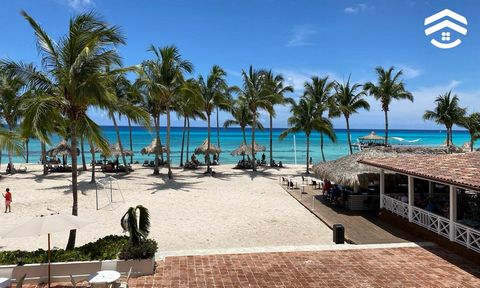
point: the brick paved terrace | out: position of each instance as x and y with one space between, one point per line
393 267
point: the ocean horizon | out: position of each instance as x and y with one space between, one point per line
289 150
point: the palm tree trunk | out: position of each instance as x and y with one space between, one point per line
244 137
119 140
386 129
451 135
131 139
207 153
73 145
84 165
308 153
447 141
471 142
92 150
254 120
321 146
159 141
218 131
156 120
348 135
170 176
188 138
271 140
26 149
44 157
10 152
183 140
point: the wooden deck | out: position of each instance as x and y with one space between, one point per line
360 227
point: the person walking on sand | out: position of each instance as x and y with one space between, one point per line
8 200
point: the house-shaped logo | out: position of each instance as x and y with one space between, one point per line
448 24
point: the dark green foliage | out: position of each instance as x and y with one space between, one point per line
144 250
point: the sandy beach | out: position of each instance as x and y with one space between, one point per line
233 209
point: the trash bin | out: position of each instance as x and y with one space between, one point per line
338 234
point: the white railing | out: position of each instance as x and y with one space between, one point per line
467 236
431 221
393 205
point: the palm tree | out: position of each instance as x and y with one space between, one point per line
214 91
10 102
136 221
256 96
447 112
242 117
74 79
347 101
304 118
389 87
165 81
189 106
320 90
276 88
472 124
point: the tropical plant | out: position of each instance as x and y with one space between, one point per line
164 81
10 102
304 118
255 95
447 112
347 101
136 221
74 80
320 90
389 87
242 117
472 124
274 85
214 93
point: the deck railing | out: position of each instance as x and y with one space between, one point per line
462 234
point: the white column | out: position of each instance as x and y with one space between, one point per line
453 211
382 187
410 198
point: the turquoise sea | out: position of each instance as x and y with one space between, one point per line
284 150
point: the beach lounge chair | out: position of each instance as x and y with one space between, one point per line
145 163
152 163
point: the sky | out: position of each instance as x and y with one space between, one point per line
298 39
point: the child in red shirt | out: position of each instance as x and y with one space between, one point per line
8 200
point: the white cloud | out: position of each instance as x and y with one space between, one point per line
410 72
301 35
78 5
356 9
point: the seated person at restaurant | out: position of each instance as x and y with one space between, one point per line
326 187
431 206
335 191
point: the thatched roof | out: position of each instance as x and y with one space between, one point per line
115 150
372 137
202 149
247 149
150 149
348 172
63 148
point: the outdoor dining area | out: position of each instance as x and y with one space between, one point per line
440 193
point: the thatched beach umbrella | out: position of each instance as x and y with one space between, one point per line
150 149
247 149
114 151
202 149
62 149
372 137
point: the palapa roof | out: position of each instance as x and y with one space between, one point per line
63 148
247 149
372 137
150 149
348 171
459 169
202 149
115 150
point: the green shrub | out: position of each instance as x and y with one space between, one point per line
106 248
144 250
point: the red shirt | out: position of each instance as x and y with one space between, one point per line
8 196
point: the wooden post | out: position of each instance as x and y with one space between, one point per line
453 211
382 187
410 198
49 257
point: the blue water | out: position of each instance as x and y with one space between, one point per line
231 138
